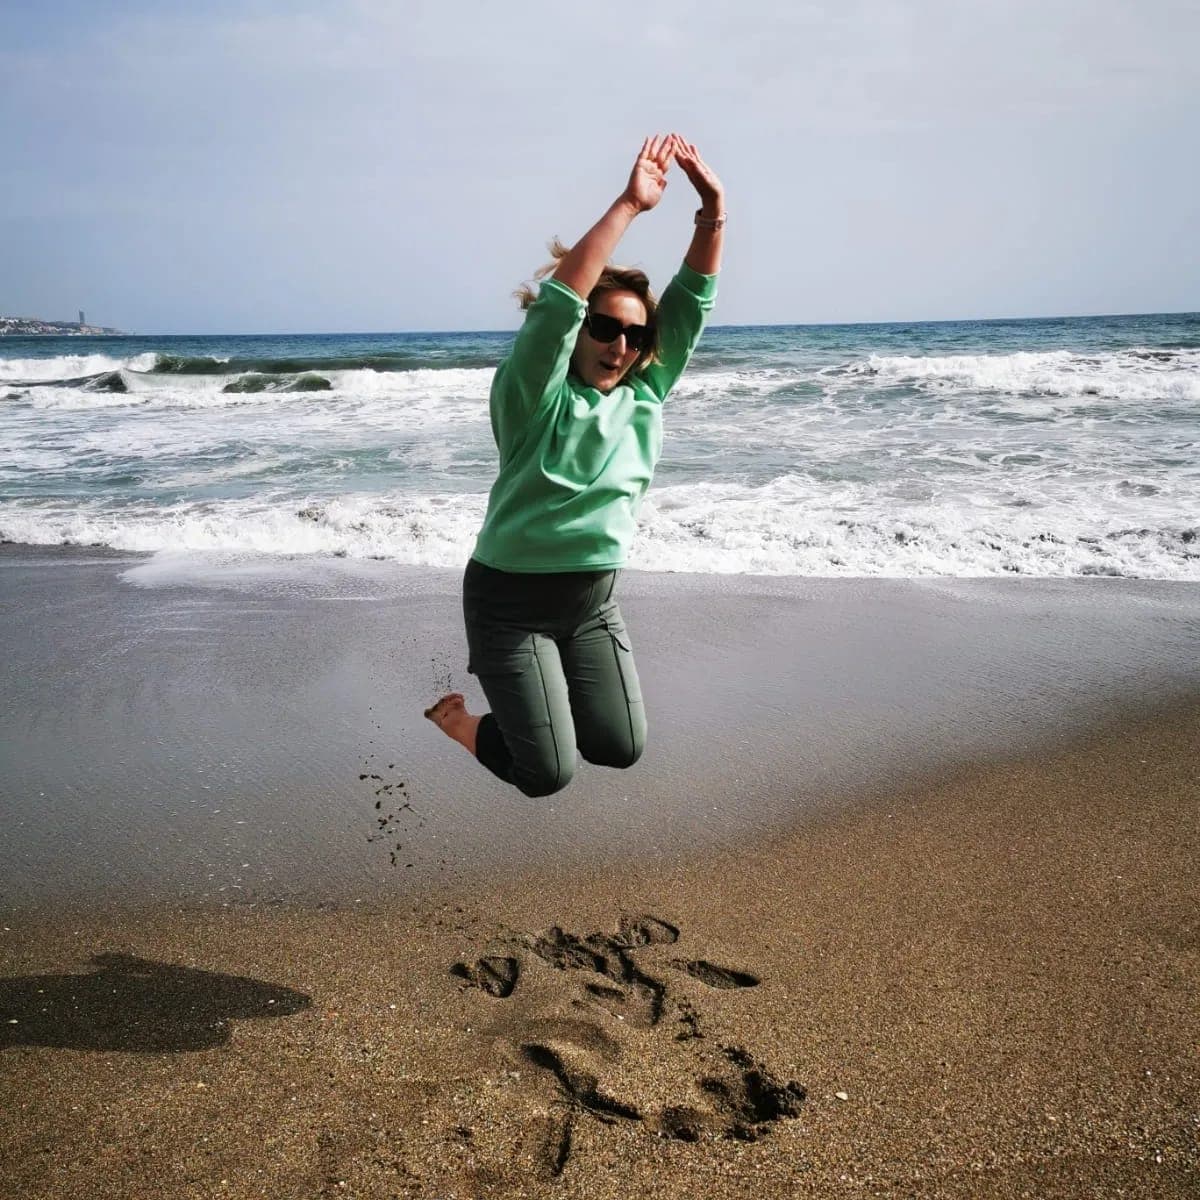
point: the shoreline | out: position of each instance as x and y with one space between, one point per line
213 737
394 892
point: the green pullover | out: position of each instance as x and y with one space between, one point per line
575 462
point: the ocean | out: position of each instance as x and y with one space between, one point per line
1048 447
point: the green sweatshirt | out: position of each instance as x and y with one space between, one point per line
575 462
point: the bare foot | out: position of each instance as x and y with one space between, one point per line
450 715
438 712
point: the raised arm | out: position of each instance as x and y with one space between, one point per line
536 367
690 296
704 254
580 267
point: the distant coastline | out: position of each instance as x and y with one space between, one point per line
27 326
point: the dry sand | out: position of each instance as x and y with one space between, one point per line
984 988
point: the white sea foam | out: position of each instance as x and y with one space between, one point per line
1130 375
791 526
70 366
79 399
432 390
422 530
756 382
472 382
798 526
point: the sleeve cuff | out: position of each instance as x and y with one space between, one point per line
702 286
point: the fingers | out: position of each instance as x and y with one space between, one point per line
685 149
659 149
693 166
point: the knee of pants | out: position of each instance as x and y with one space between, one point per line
544 779
620 752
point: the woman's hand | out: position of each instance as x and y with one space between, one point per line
648 179
704 253
580 267
704 178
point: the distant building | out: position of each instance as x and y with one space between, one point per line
27 326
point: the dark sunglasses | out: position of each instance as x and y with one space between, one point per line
607 329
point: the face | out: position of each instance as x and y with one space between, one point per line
601 365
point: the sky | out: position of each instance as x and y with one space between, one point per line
379 165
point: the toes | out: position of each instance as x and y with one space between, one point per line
438 712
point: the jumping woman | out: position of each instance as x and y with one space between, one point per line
576 412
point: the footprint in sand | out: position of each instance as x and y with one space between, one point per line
744 1099
749 1096
645 931
497 975
716 977
629 993
580 1093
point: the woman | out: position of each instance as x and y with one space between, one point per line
577 416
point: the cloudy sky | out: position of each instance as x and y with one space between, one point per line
385 165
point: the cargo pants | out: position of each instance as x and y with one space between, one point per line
554 659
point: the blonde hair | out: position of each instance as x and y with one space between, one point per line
612 279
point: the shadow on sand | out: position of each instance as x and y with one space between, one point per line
131 1003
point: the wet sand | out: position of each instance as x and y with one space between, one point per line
964 965
249 735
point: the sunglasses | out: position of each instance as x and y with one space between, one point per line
607 329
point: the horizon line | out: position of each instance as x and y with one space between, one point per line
740 325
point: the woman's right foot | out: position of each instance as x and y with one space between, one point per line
438 712
450 715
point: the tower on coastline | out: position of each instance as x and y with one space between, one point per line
82 322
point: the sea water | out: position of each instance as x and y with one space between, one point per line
1048 447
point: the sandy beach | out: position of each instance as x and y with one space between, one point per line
880 426
902 903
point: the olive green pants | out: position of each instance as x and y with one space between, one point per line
554 659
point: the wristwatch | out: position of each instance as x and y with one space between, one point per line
710 222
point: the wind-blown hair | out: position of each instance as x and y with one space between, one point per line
612 279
